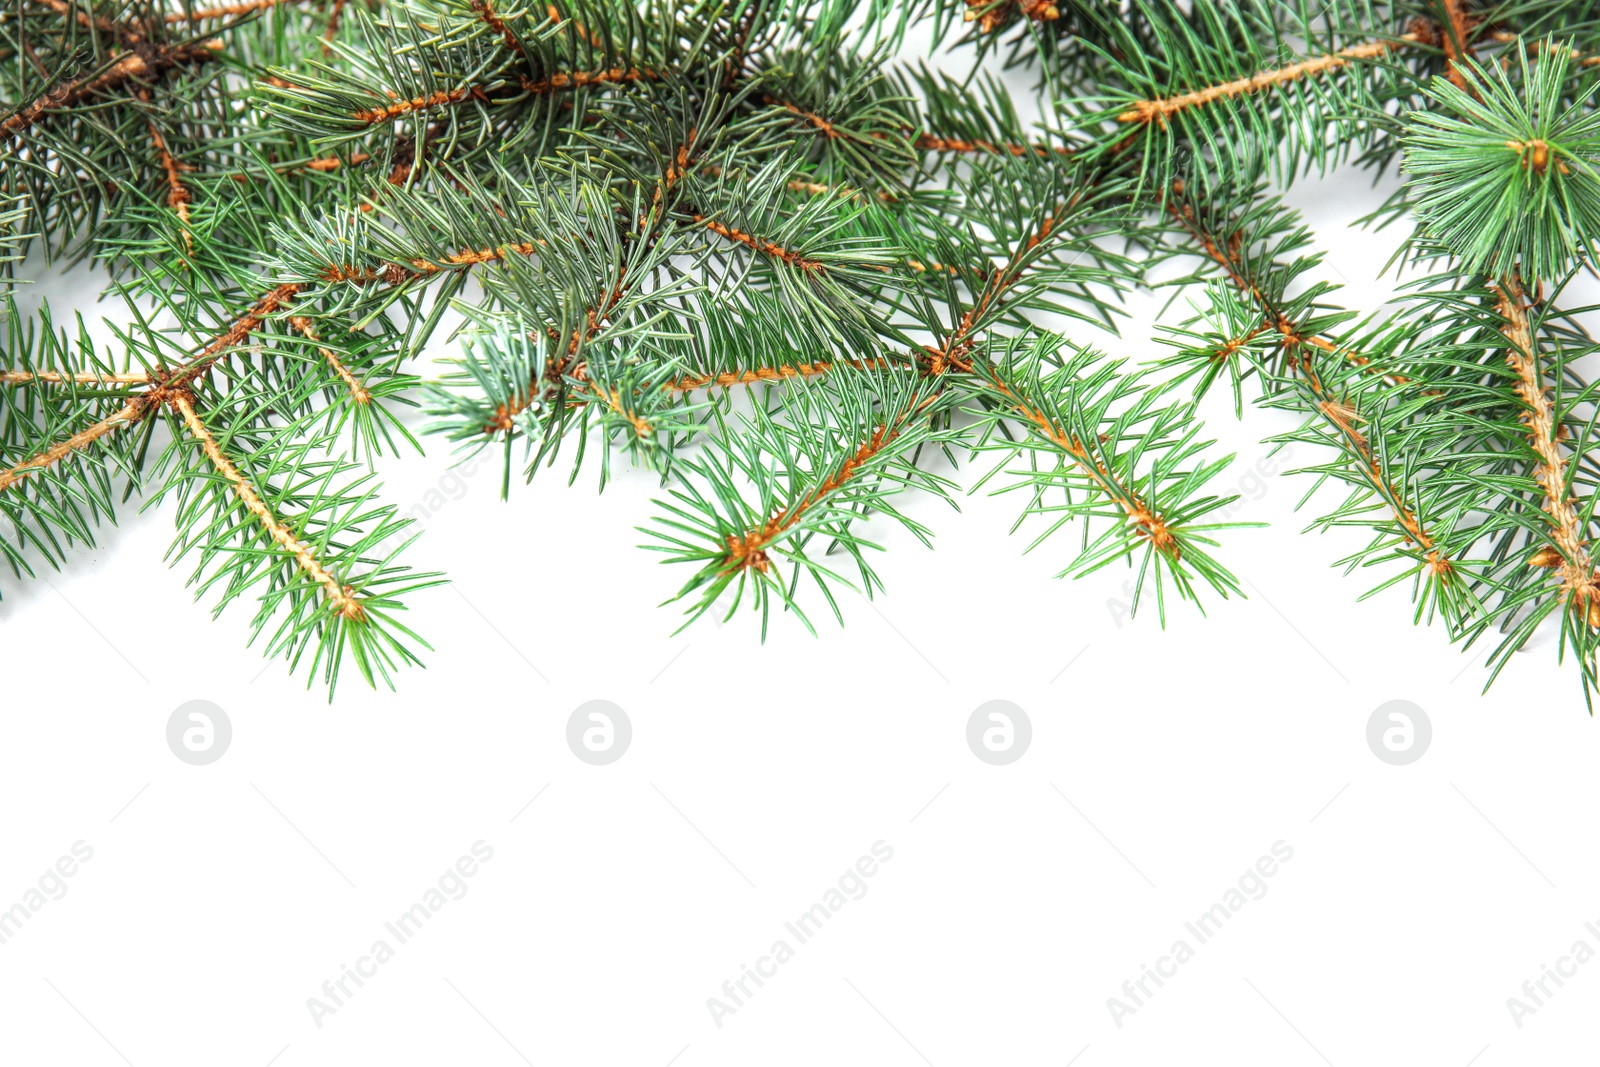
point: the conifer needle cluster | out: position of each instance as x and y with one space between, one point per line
767 251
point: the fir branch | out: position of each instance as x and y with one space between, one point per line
1298 340
639 209
1576 572
785 255
487 12
358 392
127 67
932 142
342 599
564 81
399 108
164 387
178 195
1145 521
593 321
749 550
128 32
1226 252
1507 172
843 445
131 412
1145 112
50 377
271 302
771 375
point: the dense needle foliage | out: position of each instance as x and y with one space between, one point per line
764 250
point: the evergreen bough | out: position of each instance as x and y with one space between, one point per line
755 247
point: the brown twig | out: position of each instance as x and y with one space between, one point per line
776 251
932 142
163 388
130 65
275 299
1574 564
51 377
222 11
956 347
1506 37
442 98
821 124
491 17
559 81
1144 112
129 32
131 412
581 79
1457 44
781 373
1149 525
178 197
1227 258
595 319
396 273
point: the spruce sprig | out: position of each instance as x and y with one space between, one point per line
802 278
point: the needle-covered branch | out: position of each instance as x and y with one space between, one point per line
800 277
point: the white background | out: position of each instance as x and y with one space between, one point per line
1018 899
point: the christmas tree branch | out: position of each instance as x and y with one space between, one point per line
129 66
1226 251
50 377
133 411
1575 567
129 33
784 255
178 195
1145 112
748 550
1144 520
637 209
933 142
163 387
358 392
771 375
594 321
341 598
